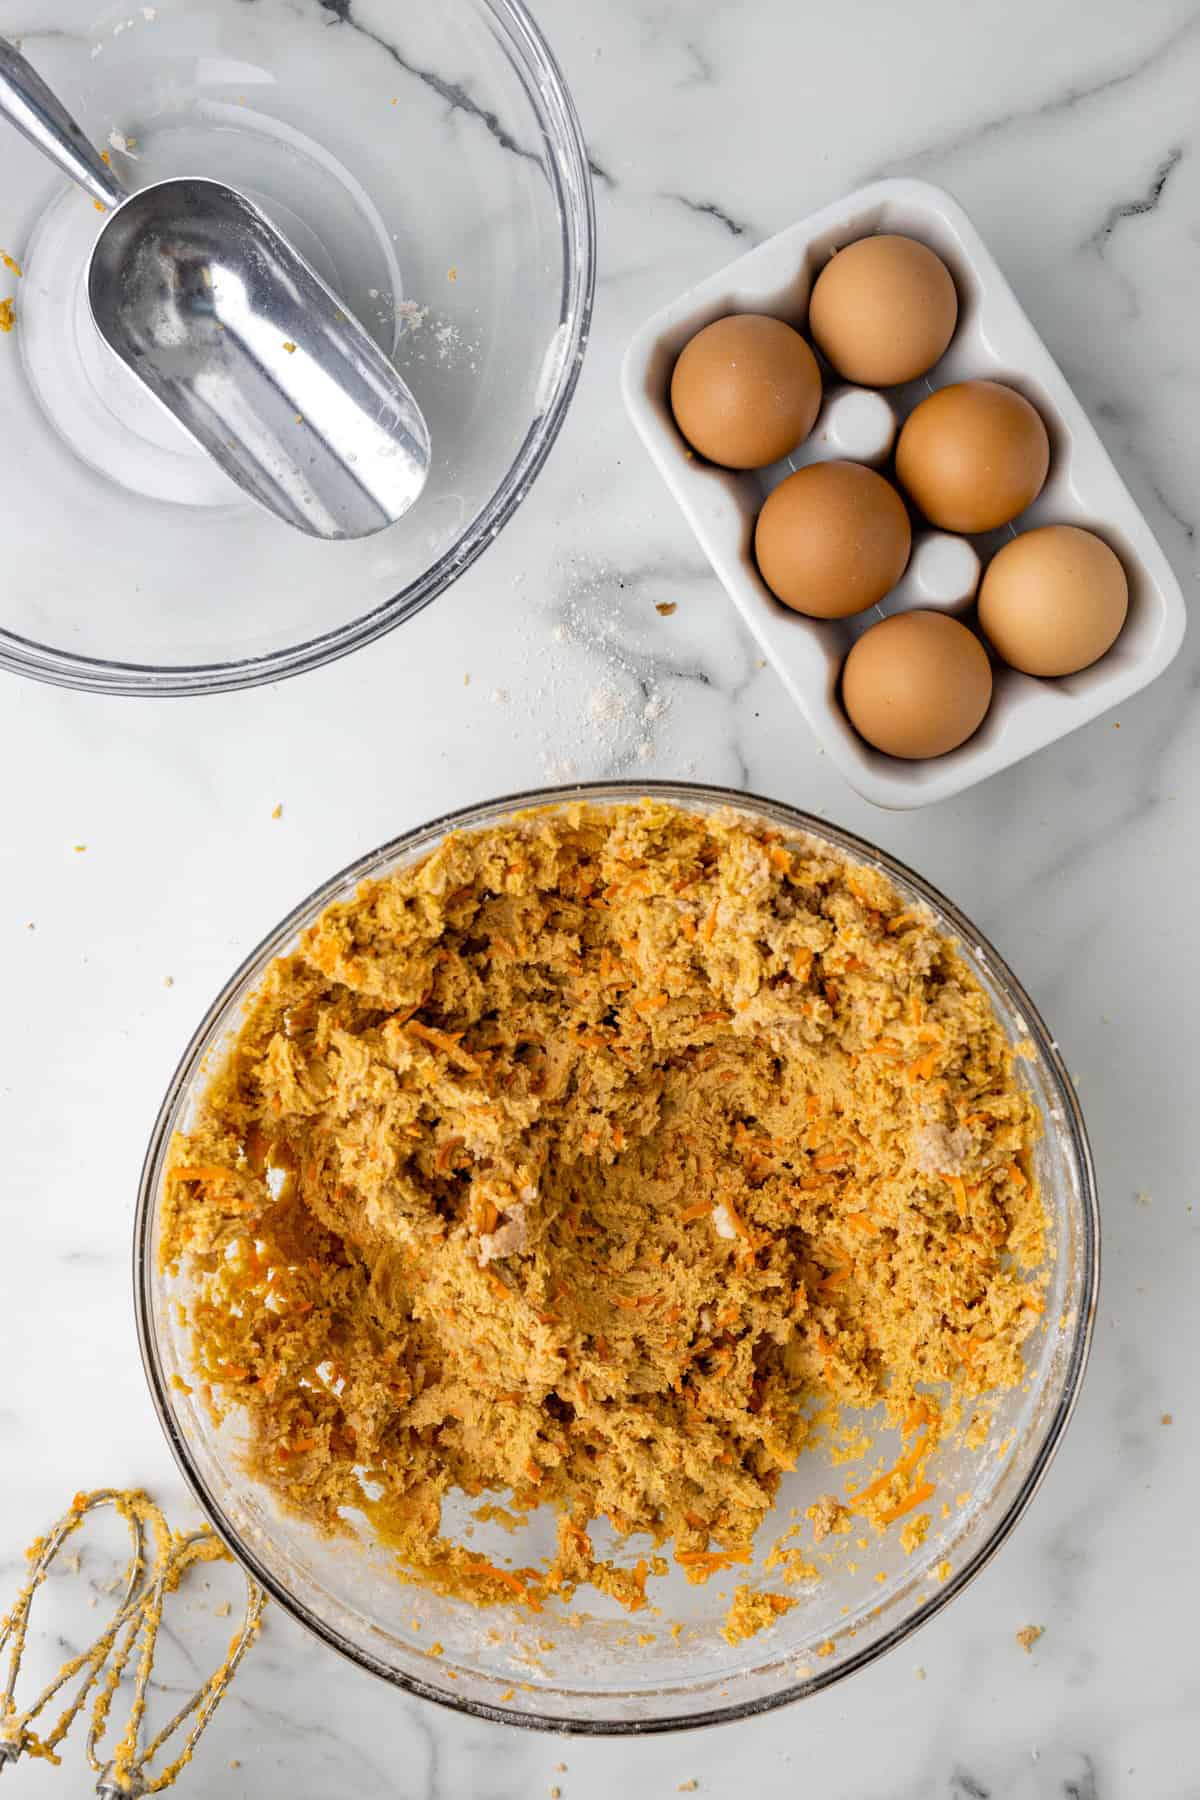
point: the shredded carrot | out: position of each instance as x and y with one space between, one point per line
712 1560
1017 1174
445 1042
958 1188
833 1159
905 918
442 1160
203 1172
300 1445
779 859
861 1221
918 1414
710 923
918 1497
905 1466
923 1067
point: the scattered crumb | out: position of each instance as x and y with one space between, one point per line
234 1763
168 981
666 607
508 1693
689 1786
913 1533
943 1571
751 1612
277 811
1167 1418
827 1648
645 1638
91 1599
1028 1636
1116 725
555 1793
881 1576
466 681
560 1768
7 316
919 1672
11 264
828 1515
223 1611
79 849
30 925
452 274
289 346
436 1648
1141 1198
124 144
760 662
499 696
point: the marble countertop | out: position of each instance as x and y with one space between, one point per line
1069 134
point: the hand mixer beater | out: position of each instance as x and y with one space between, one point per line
121 1656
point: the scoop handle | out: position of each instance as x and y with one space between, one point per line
40 116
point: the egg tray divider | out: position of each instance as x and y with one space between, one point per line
995 339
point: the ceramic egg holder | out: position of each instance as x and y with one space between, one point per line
995 340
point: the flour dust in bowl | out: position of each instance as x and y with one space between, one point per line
430 168
683 1337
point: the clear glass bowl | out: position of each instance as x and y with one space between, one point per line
429 161
595 1677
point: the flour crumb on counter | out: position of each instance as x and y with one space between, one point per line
919 1672
666 607
1028 1636
277 811
1167 1419
689 1786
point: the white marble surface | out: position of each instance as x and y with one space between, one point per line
1069 133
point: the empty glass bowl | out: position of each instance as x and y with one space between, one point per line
429 162
597 1670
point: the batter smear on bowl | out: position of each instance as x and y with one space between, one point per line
582 1163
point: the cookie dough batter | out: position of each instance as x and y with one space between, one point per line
581 1163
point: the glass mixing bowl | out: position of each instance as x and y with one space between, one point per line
429 162
594 1676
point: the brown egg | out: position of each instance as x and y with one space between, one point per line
883 310
745 391
832 539
1053 600
973 456
917 684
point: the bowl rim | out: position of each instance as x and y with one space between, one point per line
568 170
465 818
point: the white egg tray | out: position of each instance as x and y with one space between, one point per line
994 339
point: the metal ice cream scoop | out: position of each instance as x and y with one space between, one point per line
237 335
